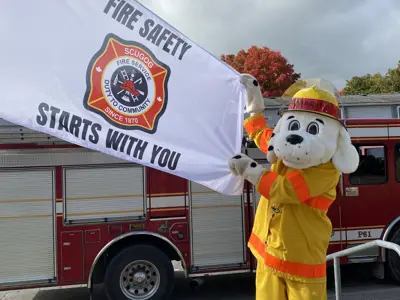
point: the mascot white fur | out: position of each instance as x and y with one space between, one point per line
308 149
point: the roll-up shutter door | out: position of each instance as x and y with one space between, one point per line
26 226
217 228
104 192
369 112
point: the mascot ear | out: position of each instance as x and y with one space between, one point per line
346 157
271 156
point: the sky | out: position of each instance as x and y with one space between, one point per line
335 40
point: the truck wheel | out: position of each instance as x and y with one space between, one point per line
139 272
393 259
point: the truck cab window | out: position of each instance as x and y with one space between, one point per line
397 160
372 167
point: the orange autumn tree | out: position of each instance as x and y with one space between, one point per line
271 69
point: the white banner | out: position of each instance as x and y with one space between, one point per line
111 76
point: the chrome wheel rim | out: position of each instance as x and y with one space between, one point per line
140 280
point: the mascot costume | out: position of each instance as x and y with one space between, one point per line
308 149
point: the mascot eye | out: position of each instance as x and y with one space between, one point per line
294 125
313 128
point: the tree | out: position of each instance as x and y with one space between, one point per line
375 84
392 79
270 68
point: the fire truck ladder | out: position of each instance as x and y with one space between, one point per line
337 255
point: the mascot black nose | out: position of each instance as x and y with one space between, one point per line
294 139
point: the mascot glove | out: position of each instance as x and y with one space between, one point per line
255 100
244 166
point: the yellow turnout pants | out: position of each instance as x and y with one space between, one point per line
272 287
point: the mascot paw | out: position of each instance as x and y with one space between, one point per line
244 166
255 100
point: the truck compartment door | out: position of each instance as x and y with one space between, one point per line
26 226
217 233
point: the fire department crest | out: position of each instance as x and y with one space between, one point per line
127 85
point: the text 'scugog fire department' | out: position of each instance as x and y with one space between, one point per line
70 216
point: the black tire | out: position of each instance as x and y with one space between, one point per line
137 257
393 259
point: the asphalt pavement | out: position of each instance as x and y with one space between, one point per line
358 285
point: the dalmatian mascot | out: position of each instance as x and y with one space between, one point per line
308 149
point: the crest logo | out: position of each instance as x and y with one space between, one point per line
127 85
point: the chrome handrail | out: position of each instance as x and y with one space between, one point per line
337 255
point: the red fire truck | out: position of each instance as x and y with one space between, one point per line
69 215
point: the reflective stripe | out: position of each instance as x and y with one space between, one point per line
319 202
263 140
292 268
255 123
299 185
303 193
315 105
265 183
257 244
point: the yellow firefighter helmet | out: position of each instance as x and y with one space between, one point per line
314 95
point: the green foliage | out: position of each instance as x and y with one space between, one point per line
375 84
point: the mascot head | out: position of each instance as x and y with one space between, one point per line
309 133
